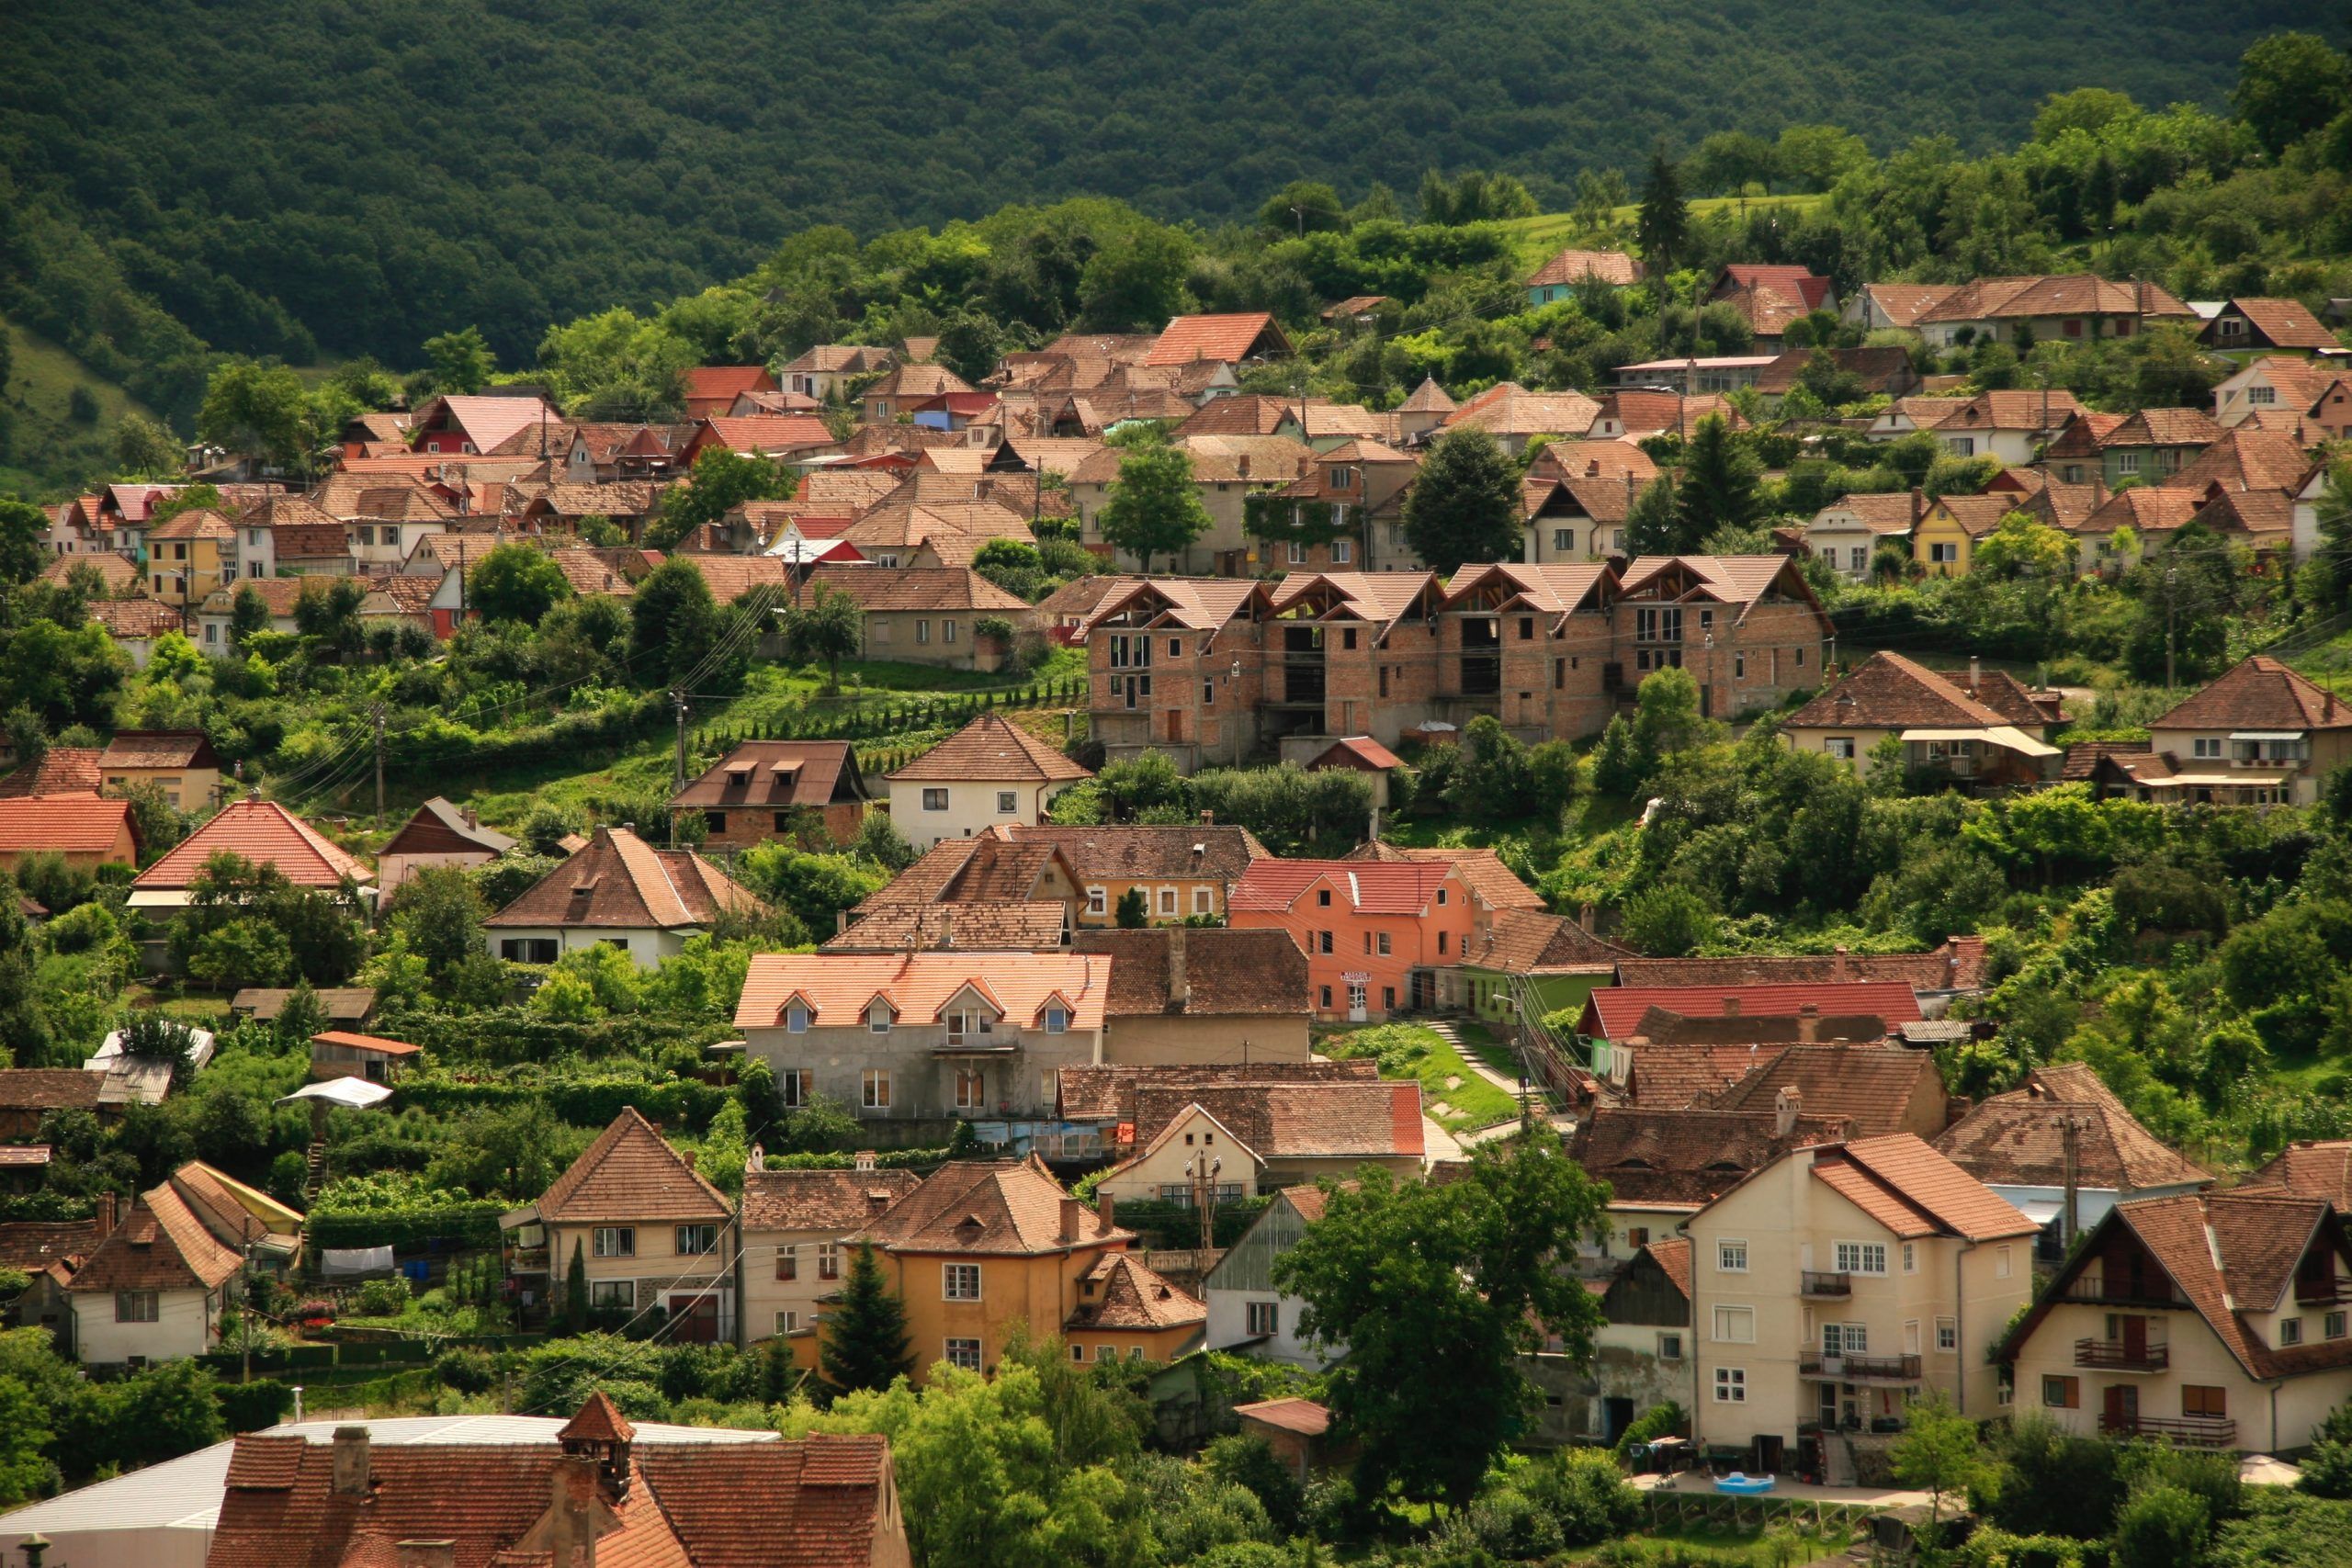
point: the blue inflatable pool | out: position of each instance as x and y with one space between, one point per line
1744 1485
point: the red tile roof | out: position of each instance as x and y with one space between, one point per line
1368 887
2282 323
162 1245
919 986
2019 1138
1612 1011
133 748
2310 1169
1005 1207
63 769
67 824
630 1173
989 750
1109 1092
617 881
376 1043
265 833
1888 691
1121 1291
1613 267
1226 339
2259 693
1301 1415
1914 1192
835 1201
1373 1120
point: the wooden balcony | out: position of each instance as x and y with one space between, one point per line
2113 1355
2318 1293
2092 1291
2188 1431
1815 1282
1857 1369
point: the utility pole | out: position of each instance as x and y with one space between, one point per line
379 715
678 772
2168 625
1204 1174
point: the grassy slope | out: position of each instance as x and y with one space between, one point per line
51 449
1451 1095
1536 240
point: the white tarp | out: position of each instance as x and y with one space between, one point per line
357 1093
2007 737
356 1259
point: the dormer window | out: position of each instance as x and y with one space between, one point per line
878 1018
1057 1020
796 1018
1343 479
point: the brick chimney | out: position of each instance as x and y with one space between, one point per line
1105 1203
689 1155
1809 1023
106 1215
1585 918
1975 675
572 1514
1787 1106
1073 1216
946 928
1839 971
1731 1006
1179 981
348 1477
865 1159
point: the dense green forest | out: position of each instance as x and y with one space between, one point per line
294 176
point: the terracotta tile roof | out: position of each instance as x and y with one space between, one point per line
918 986
1013 925
1880 368
1554 589
1081 595
1508 408
1767 310
1297 1121
765 432
1890 692
1194 604
933 589
49 1089
1660 1027
841 359
1003 1207
2085 433
1109 1092
2309 1169
2268 515
990 750
36 1245
987 868
1977 516
1957 965
486 420
620 882
2282 323
773 773
631 1173
1368 887
2081 294
350 1004
2071 507
130 620
2018 1139
1874 1087
835 1201
1913 1191
63 769
1531 942
1361 752
1677 1078
1678 1157
162 1245
2259 693
1121 1291
116 573
2011 408
278 594
1904 303
2166 427
1220 851
346 497
1613 267
137 749
67 824
1810 291
196 522
374 1044
1613 1012
1227 972
918 381
1728 579
2083 757
1594 459
2144 509
2248 459
1226 339
265 833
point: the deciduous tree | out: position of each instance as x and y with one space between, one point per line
1153 508
1465 505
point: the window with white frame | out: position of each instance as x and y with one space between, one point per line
796 1018
1204 902
829 1260
788 1322
2001 1262
616 1241
1731 1385
1840 746
873 1089
2331 1326
695 1241
1845 1338
1167 901
1056 1018
1297 553
1669 1346
612 1295
138 1306
1008 801
971 1088
878 1018
1735 1326
1261 1317
1947 1335
2291 1331
1862 1257
964 1354
1343 551
960 1281
1731 1257
934 800
1910 1257
2205 746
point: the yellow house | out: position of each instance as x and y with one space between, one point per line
795 1227
983 1248
1945 541
180 762
188 556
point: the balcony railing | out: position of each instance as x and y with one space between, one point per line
1818 1282
2318 1293
2113 1355
2089 1290
2189 1431
1857 1369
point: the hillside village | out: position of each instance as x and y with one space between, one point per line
1092 951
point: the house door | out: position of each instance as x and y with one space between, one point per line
1356 1001
2122 1412
1829 1406
1616 1414
697 1318
2135 1340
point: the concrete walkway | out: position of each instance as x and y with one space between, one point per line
1696 1485
1437 1143
1445 1030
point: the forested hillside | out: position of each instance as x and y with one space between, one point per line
293 176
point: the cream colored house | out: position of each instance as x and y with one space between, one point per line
989 773
794 1253
1194 1156
1979 727
2215 1320
656 1242
179 761
616 891
1842 1280
155 1288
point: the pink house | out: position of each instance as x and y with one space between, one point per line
1375 933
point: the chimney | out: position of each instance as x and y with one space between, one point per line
1809 1023
473 820
1975 675
689 1155
1585 918
757 1160
1838 971
1917 508
1105 1203
1073 1216
1242 467
427 1553
1731 1006
1179 981
35 1545
946 928
348 1478
1787 1106
572 1535
1208 818
105 1213
865 1159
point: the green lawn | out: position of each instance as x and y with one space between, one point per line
1485 1045
1536 240
1451 1095
53 448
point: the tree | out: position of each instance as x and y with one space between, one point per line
1728 162
242 953
515 582
440 911
25 1469
1718 487
1153 508
23 528
248 613
2161 1526
257 408
1301 207
1662 225
1814 157
1653 522
866 1344
1135 281
1134 912
829 627
330 616
1436 1291
143 449
2022 545
460 361
1938 1454
1671 921
721 481
2289 85
1465 505
676 626
575 1291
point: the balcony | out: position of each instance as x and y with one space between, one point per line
1857 1369
1814 1283
2318 1293
2188 1431
2115 1356
2089 1290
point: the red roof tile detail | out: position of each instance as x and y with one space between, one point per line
265 833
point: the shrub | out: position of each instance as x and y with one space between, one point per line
1657 1421
383 1298
2161 1526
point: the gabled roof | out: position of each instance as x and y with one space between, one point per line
1509 409
1428 398
1227 339
1613 267
140 749
1361 752
2277 324
67 824
161 1246
49 1089
2309 1168
1680 1078
1109 1092
1011 925
196 522
1873 1087
1008 1207
1729 579
2079 294
758 774
1229 972
62 771
1680 1158
1533 942
1904 303
1958 964
933 589
1613 1011
1913 1191
1367 888
2019 1138
919 985
991 749
2247 458
617 881
1217 850
1121 1291
129 620
2012 409
1373 1120
440 827
764 432
987 868
724 382
264 832
486 421
2259 693
630 1173
1490 881
835 1201
1890 692
1194 604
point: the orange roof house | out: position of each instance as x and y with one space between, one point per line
713 388
1225 340
620 890
263 832
85 830
1365 926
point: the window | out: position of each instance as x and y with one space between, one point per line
1947 1335
612 1295
1862 1257
1348 637
1388 997
922 631
1343 479
1559 674
1945 551
1564 539
1441 895
1008 801
873 1089
1078 1352
934 800
1381 939
1731 1385
2000 1263
523 950
1297 553
971 1088
786 1322
2196 1399
1845 1338
1204 902
391 534
2127 462
2205 746
1057 1020
960 1281
796 1018
1731 1257
964 1354
1669 1346
1384 680
1322 897
1910 1257
1322 942
696 1241
829 1260
1860 555
616 1241
1208 691
2062 1393
1840 746
788 1262
1739 666
2265 396
798 1084
1343 552
2331 1327
1167 901
138 1306
1735 1326
2291 1331
1098 900
1324 1003
947 631
1637 1235
1441 944
1262 1317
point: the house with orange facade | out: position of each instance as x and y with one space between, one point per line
1375 932
985 1249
